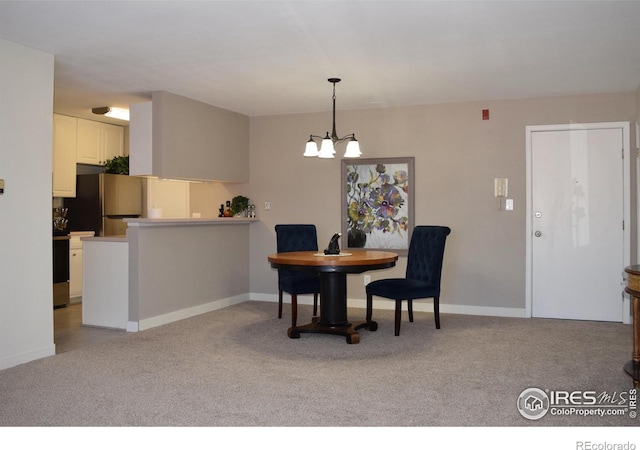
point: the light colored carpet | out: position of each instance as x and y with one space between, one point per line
237 367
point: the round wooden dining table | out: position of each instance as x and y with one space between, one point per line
333 270
632 367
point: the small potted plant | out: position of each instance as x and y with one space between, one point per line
239 205
118 165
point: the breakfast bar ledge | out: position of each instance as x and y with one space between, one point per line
172 269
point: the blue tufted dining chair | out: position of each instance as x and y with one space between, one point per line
297 238
422 280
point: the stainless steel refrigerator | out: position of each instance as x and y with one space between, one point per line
102 201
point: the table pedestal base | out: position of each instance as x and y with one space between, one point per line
349 330
633 288
633 369
333 311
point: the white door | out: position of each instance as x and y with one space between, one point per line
577 243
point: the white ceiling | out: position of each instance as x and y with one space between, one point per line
274 57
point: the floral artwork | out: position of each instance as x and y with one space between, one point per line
377 213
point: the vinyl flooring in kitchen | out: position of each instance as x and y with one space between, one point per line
69 333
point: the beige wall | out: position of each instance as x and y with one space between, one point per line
26 120
637 111
206 198
457 156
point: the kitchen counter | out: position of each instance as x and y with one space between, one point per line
104 238
145 222
80 234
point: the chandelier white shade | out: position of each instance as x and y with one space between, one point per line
327 148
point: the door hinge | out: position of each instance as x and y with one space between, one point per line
623 225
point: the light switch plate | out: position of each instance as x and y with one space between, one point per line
508 204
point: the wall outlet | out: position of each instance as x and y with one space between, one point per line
367 279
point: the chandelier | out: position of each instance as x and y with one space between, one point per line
328 143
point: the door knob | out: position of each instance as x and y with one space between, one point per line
537 234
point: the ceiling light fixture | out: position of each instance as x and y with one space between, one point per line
115 113
327 147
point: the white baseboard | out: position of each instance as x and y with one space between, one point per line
418 305
23 358
174 316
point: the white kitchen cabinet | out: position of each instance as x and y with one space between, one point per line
64 156
89 142
75 272
75 262
98 142
113 141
